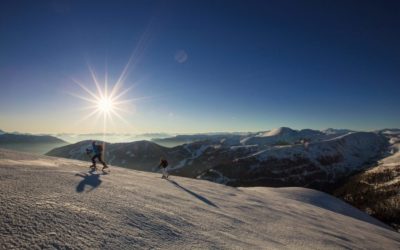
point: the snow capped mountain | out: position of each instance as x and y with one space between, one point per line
278 132
283 136
229 138
1 132
306 158
330 131
376 190
49 202
318 164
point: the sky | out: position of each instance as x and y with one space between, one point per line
200 66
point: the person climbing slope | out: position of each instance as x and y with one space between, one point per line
163 165
97 151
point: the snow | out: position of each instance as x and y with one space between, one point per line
389 164
199 151
324 201
391 131
194 154
28 163
41 207
355 148
220 177
331 131
247 147
277 132
284 135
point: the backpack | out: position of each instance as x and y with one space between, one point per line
164 163
99 148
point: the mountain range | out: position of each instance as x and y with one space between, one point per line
55 203
324 160
280 157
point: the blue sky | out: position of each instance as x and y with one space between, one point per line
202 65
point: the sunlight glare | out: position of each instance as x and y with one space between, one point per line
106 105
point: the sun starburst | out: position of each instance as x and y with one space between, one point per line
105 103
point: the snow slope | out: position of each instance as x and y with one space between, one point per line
51 202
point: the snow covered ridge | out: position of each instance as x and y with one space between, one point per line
49 202
282 157
377 190
288 136
319 165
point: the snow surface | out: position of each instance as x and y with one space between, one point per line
277 131
50 202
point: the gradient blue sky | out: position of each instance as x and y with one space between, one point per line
203 65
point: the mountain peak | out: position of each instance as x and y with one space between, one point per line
279 131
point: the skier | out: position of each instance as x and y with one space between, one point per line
97 151
164 164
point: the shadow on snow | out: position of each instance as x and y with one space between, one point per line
202 198
91 179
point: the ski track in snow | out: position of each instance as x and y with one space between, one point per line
54 203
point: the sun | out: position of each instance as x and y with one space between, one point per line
106 105
104 101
